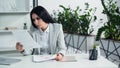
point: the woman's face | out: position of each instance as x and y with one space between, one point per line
38 21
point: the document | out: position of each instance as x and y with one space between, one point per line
25 38
43 58
7 40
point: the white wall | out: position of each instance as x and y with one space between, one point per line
118 3
51 5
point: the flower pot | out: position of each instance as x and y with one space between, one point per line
80 42
93 54
110 49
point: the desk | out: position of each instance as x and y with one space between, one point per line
82 62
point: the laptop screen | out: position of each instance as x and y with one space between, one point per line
8 61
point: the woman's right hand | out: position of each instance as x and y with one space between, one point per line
19 47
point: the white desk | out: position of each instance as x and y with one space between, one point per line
82 62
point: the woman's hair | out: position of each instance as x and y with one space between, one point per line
42 13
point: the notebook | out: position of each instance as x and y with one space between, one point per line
42 58
69 59
8 61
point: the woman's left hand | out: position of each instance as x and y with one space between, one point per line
59 57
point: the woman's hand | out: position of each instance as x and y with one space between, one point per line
19 47
59 57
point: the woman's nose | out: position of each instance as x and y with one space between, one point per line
36 21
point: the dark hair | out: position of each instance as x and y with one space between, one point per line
42 13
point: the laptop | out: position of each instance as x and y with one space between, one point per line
8 61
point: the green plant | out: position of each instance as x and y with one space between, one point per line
68 18
74 22
111 28
95 45
86 19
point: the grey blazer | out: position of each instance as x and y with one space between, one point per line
56 40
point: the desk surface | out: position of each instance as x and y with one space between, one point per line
82 62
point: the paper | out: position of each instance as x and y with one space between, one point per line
25 38
7 41
9 38
43 58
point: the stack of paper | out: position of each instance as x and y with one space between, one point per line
42 58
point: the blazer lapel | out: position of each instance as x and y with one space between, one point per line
50 38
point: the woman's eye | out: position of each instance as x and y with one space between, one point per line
38 18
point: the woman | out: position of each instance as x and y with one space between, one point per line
48 34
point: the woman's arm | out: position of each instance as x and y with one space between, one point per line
61 42
20 48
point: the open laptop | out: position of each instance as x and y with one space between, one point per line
8 61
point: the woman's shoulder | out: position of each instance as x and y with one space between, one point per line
56 24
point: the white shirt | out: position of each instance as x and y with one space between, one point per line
44 43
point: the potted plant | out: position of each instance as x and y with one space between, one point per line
109 45
85 27
93 53
77 24
111 28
